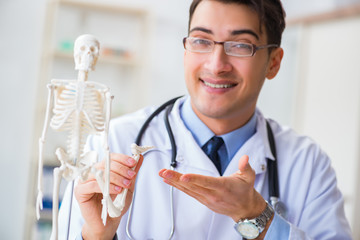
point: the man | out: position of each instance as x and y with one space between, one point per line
231 48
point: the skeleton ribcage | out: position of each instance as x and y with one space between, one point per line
78 109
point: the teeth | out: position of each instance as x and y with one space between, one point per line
218 85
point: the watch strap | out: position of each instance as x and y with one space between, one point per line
265 216
259 222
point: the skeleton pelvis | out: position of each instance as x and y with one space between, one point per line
73 168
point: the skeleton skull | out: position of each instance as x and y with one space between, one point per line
86 52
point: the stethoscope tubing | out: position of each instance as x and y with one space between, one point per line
169 104
272 165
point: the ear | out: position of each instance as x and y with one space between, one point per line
274 63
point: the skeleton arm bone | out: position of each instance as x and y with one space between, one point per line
39 198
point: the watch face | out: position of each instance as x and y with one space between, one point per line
248 230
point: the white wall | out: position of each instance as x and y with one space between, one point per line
296 8
277 98
165 63
328 99
20 45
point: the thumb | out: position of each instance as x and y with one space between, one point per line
244 166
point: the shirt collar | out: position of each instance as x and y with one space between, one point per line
198 129
201 133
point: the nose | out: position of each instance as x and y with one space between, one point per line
217 61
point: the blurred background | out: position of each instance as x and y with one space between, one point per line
316 91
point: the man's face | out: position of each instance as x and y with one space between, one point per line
226 87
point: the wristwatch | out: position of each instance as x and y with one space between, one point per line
251 228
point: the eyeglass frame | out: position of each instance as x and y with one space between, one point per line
255 48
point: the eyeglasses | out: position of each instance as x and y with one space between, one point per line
237 49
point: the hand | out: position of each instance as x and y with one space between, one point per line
89 196
233 196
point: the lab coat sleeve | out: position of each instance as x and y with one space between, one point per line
320 214
279 229
323 215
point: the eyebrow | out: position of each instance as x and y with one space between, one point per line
233 33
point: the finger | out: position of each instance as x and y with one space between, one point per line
120 180
198 196
124 176
92 187
162 171
119 175
195 179
203 181
122 170
117 181
123 159
170 174
183 182
245 171
244 165
192 189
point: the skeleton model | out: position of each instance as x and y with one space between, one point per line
80 108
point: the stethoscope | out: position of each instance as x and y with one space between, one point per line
278 206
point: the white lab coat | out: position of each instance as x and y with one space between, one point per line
307 183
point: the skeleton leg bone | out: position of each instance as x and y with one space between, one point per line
55 211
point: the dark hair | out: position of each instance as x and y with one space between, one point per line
271 14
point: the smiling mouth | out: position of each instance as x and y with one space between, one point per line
212 85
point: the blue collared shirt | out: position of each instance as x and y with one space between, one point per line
233 140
